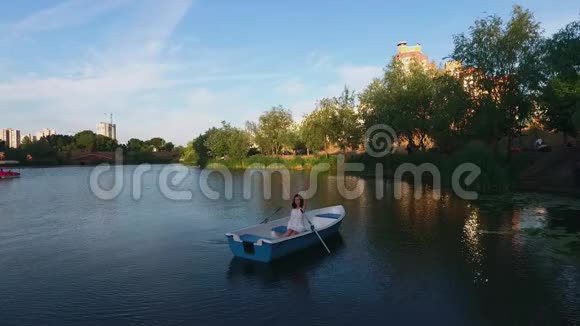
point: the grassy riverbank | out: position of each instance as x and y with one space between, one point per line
497 175
295 162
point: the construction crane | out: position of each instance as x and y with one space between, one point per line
111 117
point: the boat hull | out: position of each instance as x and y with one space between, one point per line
267 252
9 177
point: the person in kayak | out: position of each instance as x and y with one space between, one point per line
296 222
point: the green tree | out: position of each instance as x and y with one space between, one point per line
135 145
405 100
25 141
40 150
502 60
85 140
189 155
451 120
105 144
560 96
61 143
297 143
156 143
274 131
200 147
347 130
228 142
314 130
576 119
334 121
168 147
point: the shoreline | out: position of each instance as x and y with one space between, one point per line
524 182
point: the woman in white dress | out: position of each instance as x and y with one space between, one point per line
296 222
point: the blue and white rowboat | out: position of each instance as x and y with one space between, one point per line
260 242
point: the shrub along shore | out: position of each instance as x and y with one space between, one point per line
497 174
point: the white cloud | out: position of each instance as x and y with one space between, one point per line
65 14
301 108
319 60
204 108
358 77
291 87
138 75
109 79
123 80
178 127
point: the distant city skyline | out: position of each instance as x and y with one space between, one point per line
173 69
11 137
107 129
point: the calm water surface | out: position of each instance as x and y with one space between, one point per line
68 258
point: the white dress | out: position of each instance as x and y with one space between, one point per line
296 221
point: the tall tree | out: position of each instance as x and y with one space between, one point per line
105 144
314 131
502 60
347 132
189 154
576 119
229 142
168 147
403 99
274 130
61 143
561 94
156 143
85 140
40 150
135 145
334 121
199 144
25 141
452 119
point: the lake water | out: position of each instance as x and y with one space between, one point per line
69 258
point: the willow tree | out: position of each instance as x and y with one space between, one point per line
502 60
189 155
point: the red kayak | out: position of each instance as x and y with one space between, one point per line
9 175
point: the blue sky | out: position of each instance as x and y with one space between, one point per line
175 68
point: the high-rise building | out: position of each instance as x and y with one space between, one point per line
406 54
5 137
107 130
44 133
11 137
469 75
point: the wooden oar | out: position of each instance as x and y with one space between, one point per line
319 237
267 218
306 186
